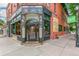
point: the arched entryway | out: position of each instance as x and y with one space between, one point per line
32 30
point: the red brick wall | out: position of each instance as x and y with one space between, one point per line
9 11
61 21
12 7
59 15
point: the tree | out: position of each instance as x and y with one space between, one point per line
71 7
1 22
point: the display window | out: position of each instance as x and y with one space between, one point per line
60 28
14 28
18 32
46 26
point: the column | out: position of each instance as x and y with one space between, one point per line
23 28
41 29
9 29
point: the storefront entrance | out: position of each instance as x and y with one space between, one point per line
32 30
34 25
15 28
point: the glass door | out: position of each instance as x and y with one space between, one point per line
32 30
32 33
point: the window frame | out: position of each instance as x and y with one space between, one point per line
60 28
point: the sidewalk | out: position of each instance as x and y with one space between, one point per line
62 46
1 35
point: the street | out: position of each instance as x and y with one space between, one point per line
64 46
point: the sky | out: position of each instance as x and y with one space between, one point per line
3 11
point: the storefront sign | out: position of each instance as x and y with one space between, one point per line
18 18
32 16
13 21
32 9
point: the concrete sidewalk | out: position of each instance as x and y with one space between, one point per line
63 46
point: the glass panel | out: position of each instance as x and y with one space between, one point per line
14 28
46 17
32 32
46 26
60 27
18 28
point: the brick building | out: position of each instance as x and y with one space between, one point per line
58 20
54 26
29 20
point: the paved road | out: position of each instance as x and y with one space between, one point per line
64 46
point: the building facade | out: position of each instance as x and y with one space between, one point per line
58 20
52 17
29 21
